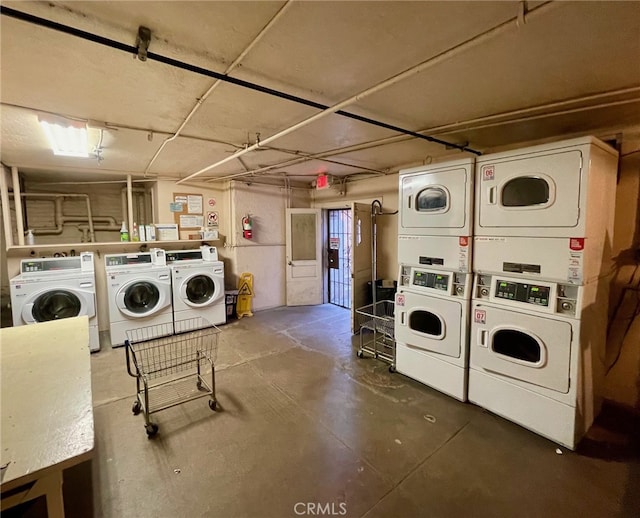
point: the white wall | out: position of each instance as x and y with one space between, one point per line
264 254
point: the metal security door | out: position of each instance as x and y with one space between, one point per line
340 223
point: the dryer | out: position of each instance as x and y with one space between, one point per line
139 292
537 353
197 279
560 194
436 215
53 288
431 328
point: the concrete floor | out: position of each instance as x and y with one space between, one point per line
304 422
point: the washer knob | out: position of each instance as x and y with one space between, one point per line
484 292
567 306
459 290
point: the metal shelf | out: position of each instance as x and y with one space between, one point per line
124 246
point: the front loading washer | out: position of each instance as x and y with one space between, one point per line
435 219
537 353
431 328
197 279
55 288
139 291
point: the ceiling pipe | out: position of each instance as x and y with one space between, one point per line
230 68
498 119
6 212
443 56
17 203
151 56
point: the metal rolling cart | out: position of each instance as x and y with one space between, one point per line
378 318
172 363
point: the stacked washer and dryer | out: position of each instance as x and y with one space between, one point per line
542 246
434 255
54 288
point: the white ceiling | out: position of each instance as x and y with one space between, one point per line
491 77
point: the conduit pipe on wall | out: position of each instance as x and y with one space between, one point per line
231 67
60 219
443 56
130 206
17 203
85 228
6 213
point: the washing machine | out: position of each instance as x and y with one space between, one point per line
55 288
537 353
197 278
435 219
432 328
546 211
139 292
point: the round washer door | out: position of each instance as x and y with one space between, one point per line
201 289
141 298
56 304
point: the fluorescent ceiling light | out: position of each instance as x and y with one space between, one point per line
66 138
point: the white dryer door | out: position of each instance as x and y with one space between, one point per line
435 201
200 289
143 297
58 303
521 346
535 192
429 323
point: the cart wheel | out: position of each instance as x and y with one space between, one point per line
135 409
392 369
151 429
360 354
213 404
199 385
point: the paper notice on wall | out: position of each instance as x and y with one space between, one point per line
191 221
180 199
194 204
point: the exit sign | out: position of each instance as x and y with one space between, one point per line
322 181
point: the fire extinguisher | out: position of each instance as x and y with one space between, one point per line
247 224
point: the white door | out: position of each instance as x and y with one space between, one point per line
521 346
429 323
361 258
437 201
303 257
534 192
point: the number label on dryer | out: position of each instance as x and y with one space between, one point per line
488 172
480 316
399 300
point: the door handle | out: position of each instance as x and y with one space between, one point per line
402 318
482 338
289 263
492 195
409 201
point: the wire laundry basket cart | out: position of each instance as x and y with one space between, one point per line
172 363
378 320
